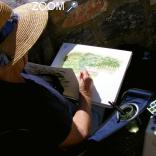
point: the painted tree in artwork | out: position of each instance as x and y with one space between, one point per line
79 61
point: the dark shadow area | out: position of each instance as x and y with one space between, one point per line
141 70
122 143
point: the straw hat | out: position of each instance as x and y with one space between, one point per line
26 31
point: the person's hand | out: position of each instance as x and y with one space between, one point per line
85 83
81 125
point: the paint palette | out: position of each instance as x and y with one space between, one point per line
152 107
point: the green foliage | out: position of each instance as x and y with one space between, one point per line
79 61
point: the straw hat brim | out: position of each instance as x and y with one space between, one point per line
29 28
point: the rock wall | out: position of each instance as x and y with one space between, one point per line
107 23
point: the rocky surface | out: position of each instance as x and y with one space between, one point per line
107 23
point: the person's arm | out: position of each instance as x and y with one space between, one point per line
81 124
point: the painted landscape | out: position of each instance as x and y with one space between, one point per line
106 66
92 62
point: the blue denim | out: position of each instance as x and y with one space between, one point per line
97 117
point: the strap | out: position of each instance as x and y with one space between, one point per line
8 27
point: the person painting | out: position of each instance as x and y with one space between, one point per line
27 103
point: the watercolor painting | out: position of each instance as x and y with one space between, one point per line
92 62
106 66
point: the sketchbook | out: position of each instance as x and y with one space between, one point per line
58 78
106 66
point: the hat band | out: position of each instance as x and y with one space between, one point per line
8 27
4 59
